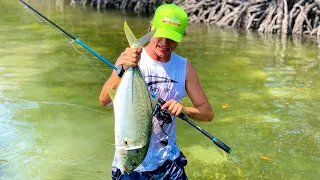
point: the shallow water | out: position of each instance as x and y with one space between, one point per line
264 91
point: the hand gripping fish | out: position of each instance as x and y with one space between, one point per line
133 106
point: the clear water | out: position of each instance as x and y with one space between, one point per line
264 91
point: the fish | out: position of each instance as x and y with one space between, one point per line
133 107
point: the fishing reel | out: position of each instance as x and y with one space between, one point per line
163 117
162 114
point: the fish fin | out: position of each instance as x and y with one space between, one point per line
133 42
130 36
112 93
154 100
146 38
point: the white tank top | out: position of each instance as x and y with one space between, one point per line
168 80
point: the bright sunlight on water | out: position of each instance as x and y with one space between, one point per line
264 90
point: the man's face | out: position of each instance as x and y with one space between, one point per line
163 47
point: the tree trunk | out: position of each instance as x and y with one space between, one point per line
267 16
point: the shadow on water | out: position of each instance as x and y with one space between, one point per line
263 88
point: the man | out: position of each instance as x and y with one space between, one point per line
170 76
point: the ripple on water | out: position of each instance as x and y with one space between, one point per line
271 119
266 118
290 92
298 131
314 158
17 138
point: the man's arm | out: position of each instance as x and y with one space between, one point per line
111 83
202 109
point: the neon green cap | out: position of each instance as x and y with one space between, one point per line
171 22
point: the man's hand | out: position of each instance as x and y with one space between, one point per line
131 57
174 108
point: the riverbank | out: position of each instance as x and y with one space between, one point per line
283 17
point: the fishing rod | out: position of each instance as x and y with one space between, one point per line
216 141
74 38
120 70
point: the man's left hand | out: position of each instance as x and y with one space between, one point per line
174 108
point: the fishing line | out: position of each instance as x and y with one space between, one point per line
42 21
71 41
58 103
30 12
62 103
53 103
8 99
110 144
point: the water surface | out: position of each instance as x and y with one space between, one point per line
264 90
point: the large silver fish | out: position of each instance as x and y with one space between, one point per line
133 107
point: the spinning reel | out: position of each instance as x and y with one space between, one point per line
163 117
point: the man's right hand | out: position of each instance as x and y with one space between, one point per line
131 57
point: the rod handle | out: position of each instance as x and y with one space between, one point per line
223 146
216 141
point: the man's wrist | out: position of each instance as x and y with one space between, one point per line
120 70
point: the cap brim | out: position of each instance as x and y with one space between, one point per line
167 33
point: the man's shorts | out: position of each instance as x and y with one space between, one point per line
170 170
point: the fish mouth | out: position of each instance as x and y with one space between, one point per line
133 148
127 158
125 170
